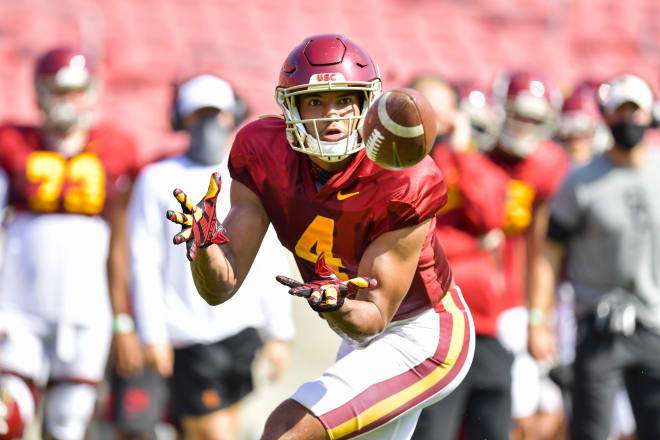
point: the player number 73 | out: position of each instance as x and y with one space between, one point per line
78 183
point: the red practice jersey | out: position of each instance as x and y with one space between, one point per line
44 181
475 206
347 213
534 179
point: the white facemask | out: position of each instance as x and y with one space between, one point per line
518 145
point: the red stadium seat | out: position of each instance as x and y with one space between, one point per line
147 44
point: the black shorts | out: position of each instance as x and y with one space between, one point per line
138 402
206 378
211 377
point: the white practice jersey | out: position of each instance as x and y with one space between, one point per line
167 306
54 267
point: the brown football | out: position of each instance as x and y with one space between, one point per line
399 129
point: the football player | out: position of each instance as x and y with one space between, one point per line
453 125
484 117
535 165
363 239
469 227
68 184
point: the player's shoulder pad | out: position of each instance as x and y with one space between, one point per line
16 138
551 155
263 136
416 182
261 125
423 171
112 134
17 130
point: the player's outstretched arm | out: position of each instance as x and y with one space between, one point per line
360 308
220 253
392 260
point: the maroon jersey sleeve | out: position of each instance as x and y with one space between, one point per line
240 157
550 165
476 187
13 145
5 147
117 150
417 194
16 145
118 153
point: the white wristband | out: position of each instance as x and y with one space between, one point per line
122 323
536 317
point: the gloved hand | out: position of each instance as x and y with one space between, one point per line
324 291
199 226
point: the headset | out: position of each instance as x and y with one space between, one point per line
241 110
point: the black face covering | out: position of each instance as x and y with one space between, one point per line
627 134
207 141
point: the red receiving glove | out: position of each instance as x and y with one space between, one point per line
199 225
324 291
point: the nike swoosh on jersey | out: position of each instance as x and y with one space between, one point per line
341 196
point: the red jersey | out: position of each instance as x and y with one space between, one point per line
535 179
477 191
347 213
44 181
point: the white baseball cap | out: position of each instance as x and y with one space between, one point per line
625 88
205 91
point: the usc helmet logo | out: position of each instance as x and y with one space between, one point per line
326 77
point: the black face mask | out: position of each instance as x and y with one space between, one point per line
627 134
207 141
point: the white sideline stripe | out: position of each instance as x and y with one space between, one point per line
393 127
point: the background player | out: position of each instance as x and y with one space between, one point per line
331 201
535 166
69 183
205 352
469 228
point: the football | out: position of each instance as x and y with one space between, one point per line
399 129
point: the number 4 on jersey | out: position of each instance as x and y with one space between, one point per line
318 238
